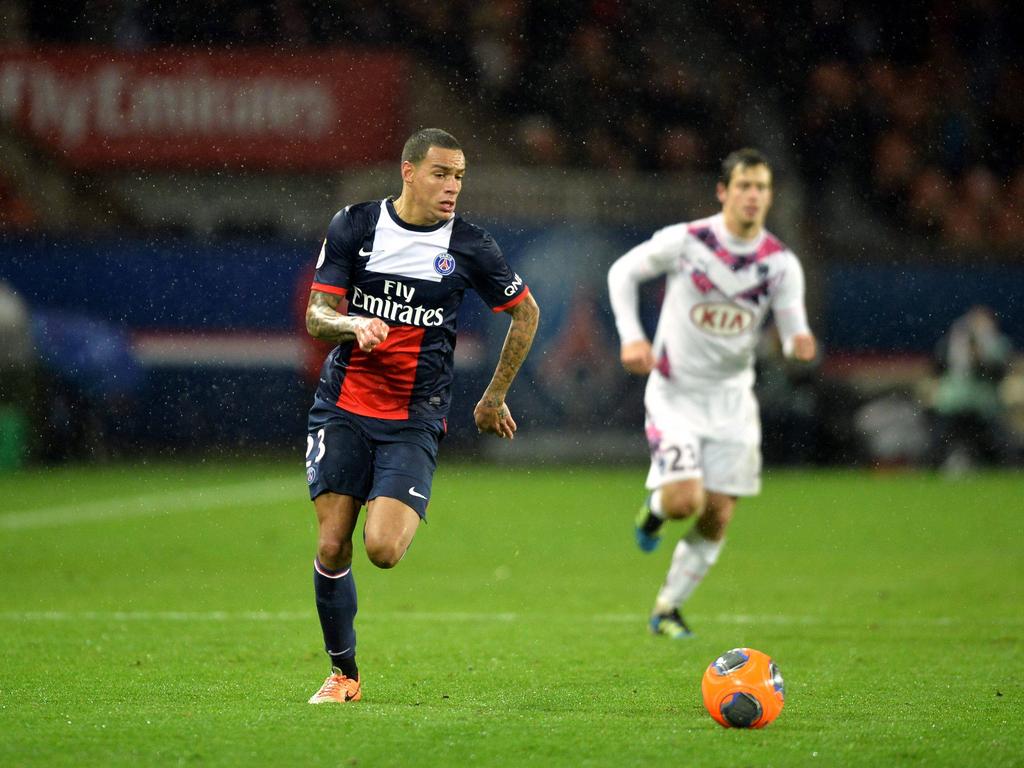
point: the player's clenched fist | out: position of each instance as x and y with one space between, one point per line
370 331
801 347
494 418
636 357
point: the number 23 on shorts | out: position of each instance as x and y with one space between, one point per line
675 458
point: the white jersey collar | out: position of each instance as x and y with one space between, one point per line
731 242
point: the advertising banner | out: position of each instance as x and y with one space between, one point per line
177 109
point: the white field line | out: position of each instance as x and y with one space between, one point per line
155 504
496 617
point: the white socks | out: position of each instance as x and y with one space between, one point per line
655 504
692 558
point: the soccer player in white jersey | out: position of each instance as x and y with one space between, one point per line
724 274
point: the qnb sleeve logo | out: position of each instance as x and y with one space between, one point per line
444 263
517 283
721 319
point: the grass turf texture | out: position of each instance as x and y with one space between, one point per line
158 615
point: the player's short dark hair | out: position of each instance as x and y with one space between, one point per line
745 157
417 145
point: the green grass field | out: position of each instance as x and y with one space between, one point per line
163 615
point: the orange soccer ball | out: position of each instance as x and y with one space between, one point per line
743 688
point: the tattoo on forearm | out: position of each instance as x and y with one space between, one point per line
323 321
525 317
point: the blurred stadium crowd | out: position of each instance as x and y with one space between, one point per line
914 106
896 127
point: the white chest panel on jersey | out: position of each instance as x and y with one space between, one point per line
408 253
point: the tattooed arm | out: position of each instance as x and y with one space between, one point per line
323 321
491 413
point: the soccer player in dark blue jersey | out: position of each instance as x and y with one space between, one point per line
401 267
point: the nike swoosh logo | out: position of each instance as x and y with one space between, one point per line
364 252
412 492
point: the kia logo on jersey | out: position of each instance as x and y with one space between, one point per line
721 319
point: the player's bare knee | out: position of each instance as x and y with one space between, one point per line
384 554
384 560
682 500
334 554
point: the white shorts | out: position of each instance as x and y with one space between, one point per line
712 433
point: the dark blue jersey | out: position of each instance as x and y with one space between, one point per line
414 278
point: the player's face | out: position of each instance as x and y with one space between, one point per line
433 185
747 198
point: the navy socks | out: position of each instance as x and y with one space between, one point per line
336 604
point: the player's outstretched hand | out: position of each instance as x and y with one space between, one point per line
637 357
370 331
495 419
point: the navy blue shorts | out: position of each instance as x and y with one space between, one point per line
363 457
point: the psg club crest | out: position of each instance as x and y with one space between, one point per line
310 475
444 263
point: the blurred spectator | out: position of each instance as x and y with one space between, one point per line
15 212
539 141
829 117
92 382
1009 219
973 359
497 49
680 149
16 371
970 222
931 193
893 431
599 149
15 338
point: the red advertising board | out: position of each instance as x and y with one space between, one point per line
103 108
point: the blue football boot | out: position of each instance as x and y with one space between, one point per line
646 527
671 625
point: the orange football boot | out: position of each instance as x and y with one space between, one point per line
337 689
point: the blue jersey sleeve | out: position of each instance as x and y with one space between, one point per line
337 255
492 278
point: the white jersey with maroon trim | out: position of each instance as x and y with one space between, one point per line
719 290
414 278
